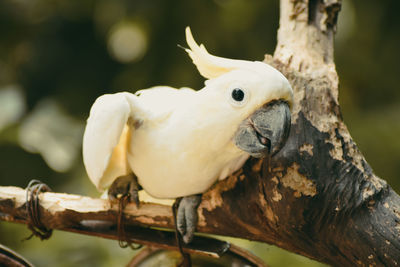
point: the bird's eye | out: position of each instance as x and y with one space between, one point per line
237 94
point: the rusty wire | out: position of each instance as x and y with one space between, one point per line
34 188
123 240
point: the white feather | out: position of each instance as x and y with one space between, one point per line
106 137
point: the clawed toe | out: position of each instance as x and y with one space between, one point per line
125 186
186 218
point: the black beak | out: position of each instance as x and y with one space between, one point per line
265 132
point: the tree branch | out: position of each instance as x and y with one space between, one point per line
98 217
317 197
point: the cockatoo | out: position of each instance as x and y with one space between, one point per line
179 142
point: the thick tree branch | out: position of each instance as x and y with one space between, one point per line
317 197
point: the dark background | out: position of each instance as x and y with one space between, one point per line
57 57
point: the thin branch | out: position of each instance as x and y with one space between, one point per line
61 210
98 217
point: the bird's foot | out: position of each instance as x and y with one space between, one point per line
126 185
186 216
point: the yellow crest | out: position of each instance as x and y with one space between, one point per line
208 65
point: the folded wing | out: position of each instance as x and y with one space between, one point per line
107 135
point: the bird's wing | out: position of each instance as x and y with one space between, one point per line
111 121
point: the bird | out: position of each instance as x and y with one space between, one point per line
177 143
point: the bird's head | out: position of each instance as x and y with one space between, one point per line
254 100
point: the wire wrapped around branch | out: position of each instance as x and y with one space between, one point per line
34 188
123 241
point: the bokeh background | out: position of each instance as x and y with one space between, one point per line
58 56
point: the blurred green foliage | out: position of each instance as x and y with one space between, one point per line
57 57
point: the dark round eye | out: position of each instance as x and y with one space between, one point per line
237 94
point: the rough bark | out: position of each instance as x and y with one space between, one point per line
318 197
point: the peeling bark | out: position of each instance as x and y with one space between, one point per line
318 196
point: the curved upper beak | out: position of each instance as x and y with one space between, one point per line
265 131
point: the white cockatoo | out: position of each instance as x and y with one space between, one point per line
179 142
